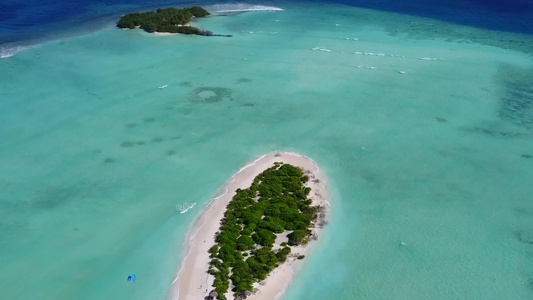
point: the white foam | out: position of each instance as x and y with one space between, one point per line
430 58
240 7
163 86
6 52
321 49
185 207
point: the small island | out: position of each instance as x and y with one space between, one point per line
252 238
171 20
275 206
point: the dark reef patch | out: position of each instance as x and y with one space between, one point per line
441 120
524 237
525 156
157 140
149 120
127 144
109 160
211 95
140 143
248 105
131 125
171 152
185 84
244 80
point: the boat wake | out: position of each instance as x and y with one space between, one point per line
239 8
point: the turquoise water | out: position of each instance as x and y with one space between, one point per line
97 160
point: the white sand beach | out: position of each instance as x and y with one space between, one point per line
162 33
192 281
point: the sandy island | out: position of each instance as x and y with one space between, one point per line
192 281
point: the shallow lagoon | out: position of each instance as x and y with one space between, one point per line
428 142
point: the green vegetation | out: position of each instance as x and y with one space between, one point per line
275 203
165 20
301 257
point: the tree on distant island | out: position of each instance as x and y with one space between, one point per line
170 19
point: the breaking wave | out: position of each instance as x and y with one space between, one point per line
240 7
183 208
9 51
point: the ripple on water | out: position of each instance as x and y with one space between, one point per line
517 97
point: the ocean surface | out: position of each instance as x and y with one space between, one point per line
421 113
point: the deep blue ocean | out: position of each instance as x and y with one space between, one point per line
34 21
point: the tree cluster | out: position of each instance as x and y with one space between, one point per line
276 202
165 20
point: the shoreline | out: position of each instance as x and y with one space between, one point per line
170 33
192 280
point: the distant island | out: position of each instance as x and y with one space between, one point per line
251 240
172 20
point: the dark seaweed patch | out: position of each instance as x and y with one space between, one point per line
525 156
171 152
185 84
157 140
131 125
441 120
248 105
109 160
149 120
140 143
52 197
496 132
